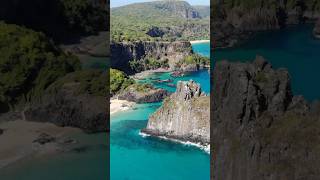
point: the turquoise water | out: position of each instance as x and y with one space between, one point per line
133 157
293 48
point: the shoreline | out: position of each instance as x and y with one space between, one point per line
199 41
204 147
144 74
117 105
23 134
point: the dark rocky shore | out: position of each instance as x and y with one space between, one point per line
66 108
259 130
147 94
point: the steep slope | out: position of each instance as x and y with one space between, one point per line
124 53
259 129
29 63
184 115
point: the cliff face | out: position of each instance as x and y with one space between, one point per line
143 94
67 105
184 115
122 53
234 22
259 129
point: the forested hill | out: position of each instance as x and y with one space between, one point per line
59 19
168 20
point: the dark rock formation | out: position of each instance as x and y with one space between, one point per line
316 29
44 138
146 95
232 23
184 115
67 107
155 32
1 131
259 129
122 53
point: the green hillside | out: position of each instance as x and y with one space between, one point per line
159 20
29 63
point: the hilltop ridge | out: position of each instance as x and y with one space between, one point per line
159 20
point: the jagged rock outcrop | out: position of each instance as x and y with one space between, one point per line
259 129
122 53
146 94
67 107
184 115
235 22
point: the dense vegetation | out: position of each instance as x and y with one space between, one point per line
59 19
29 63
91 81
134 22
196 59
119 81
148 63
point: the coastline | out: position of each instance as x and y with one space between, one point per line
204 147
200 41
117 105
23 136
144 74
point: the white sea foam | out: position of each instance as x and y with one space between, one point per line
143 134
204 147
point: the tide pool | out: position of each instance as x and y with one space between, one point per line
133 157
293 48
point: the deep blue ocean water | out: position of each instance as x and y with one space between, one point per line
293 48
133 157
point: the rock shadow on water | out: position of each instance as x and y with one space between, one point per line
125 134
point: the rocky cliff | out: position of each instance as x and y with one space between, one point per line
259 129
77 100
122 53
143 93
184 115
233 22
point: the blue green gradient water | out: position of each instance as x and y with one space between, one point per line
133 157
293 48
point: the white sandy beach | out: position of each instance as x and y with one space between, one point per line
199 41
16 142
117 105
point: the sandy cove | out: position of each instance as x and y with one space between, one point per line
117 105
199 41
18 136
